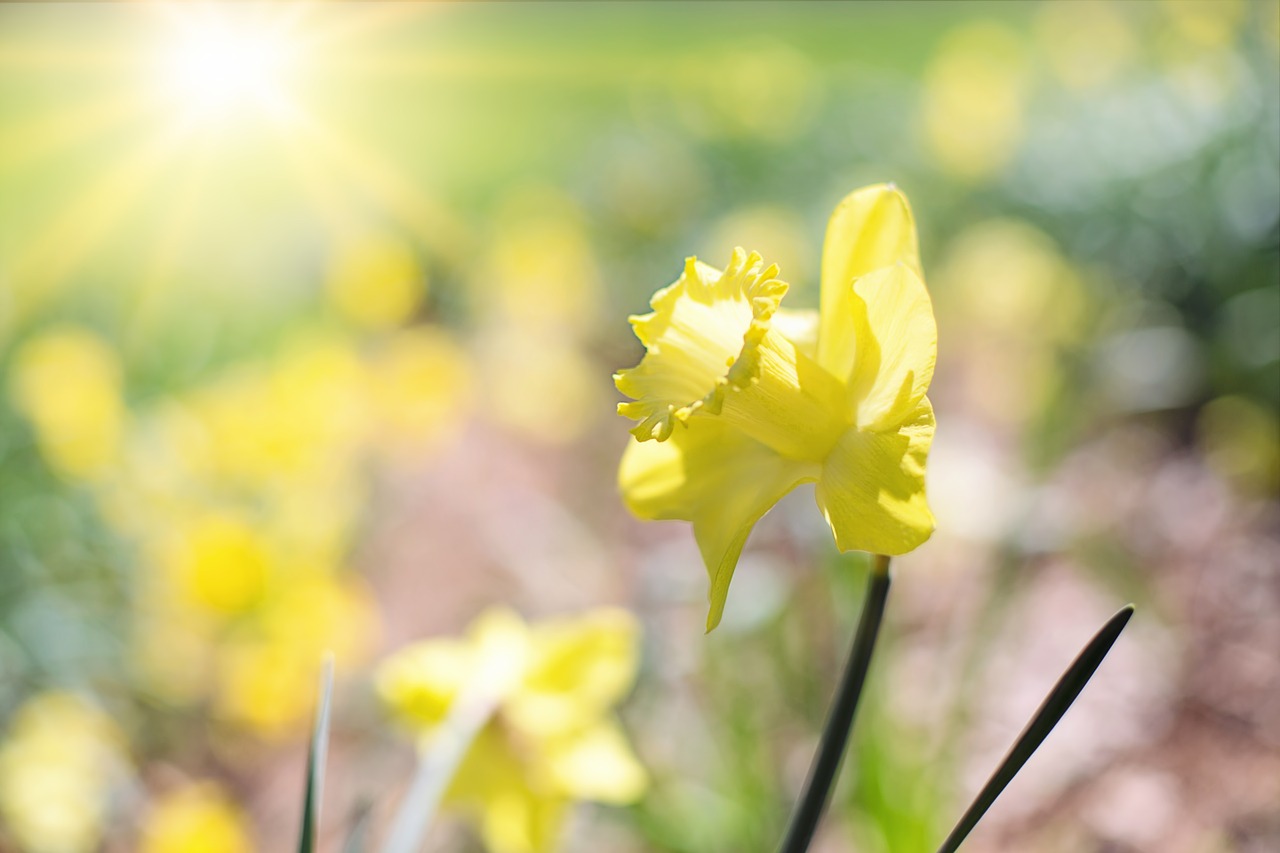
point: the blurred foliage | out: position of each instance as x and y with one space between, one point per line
307 316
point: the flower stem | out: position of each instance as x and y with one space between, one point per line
1046 717
437 765
817 790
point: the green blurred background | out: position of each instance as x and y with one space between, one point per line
307 321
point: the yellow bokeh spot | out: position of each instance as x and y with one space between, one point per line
56 769
199 818
264 687
267 674
376 281
767 91
1010 278
1242 442
1087 44
67 381
1018 301
299 417
322 613
420 381
222 562
1207 23
540 271
974 98
541 386
1270 26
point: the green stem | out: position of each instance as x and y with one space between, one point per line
1046 717
817 790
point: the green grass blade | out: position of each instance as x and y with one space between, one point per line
316 755
1055 705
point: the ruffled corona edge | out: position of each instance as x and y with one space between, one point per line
705 331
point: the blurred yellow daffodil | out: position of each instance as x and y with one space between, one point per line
740 400
551 738
199 818
59 761
67 381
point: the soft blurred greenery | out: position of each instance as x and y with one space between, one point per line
307 317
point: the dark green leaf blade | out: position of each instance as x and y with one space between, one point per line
316 755
1053 708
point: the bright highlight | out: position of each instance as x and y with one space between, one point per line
221 62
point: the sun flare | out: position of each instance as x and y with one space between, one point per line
224 62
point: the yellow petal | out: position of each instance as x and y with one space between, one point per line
491 768
872 487
717 478
579 669
597 764
897 344
524 821
870 229
420 682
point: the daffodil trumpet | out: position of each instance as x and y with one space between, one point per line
738 399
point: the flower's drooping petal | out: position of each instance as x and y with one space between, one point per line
579 669
897 344
519 810
870 229
872 487
716 477
701 340
597 764
524 821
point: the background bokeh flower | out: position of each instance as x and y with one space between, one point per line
546 735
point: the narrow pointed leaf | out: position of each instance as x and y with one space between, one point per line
316 756
1053 708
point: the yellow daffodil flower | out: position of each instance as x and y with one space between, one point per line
740 400
551 739
198 818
